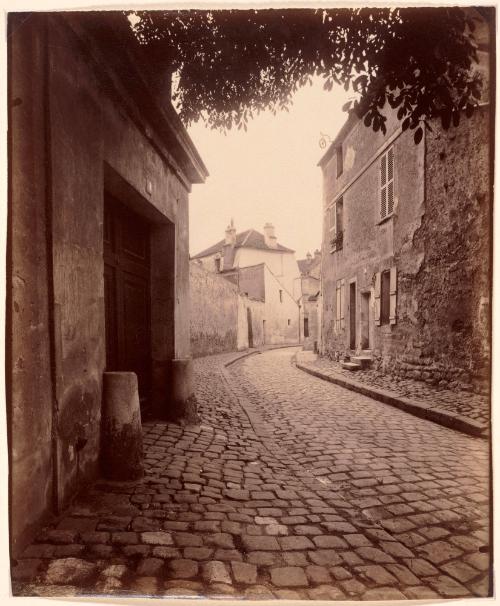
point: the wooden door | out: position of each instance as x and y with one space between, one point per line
127 293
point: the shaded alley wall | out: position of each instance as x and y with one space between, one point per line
214 312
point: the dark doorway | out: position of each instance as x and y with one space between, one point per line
250 329
306 327
352 315
127 292
365 321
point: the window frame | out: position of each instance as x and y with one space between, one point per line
386 183
339 305
333 230
339 155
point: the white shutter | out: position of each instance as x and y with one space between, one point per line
390 181
342 304
393 287
390 164
387 183
383 186
337 307
390 197
377 298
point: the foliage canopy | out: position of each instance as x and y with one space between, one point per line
232 64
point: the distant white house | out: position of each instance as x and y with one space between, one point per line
264 270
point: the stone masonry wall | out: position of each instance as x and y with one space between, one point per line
68 128
451 291
214 312
439 241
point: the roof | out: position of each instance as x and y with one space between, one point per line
305 265
246 239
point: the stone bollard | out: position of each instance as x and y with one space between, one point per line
121 441
182 404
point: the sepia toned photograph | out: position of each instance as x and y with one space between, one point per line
249 279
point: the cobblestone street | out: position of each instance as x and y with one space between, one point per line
471 405
290 487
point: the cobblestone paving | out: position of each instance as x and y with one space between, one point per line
290 487
471 405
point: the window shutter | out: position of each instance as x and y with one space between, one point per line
390 164
387 183
393 295
390 181
390 197
342 303
337 307
383 186
377 298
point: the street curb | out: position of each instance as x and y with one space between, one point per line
441 417
246 354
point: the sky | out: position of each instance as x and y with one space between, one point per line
268 173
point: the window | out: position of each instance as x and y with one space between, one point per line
339 307
306 327
336 224
281 296
289 321
340 161
387 183
217 263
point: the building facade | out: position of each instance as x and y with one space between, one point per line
310 286
98 265
222 318
264 271
407 248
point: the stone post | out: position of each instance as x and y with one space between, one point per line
121 441
182 401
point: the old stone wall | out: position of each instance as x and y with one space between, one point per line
72 141
450 341
214 312
439 241
370 245
281 313
250 311
30 392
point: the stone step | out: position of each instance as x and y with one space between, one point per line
351 366
363 361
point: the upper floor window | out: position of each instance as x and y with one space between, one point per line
281 296
217 263
340 160
336 224
387 183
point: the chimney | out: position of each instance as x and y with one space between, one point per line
230 234
269 237
317 254
308 257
